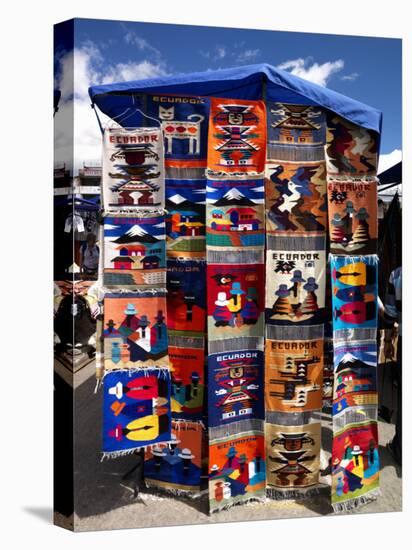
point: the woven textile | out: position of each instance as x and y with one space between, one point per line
133 169
136 407
235 283
176 467
296 224
351 159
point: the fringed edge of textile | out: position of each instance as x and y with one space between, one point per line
191 494
246 501
179 422
134 370
130 213
125 452
354 503
274 493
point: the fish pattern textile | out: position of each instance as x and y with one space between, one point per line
136 410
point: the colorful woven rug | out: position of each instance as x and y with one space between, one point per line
177 466
296 224
133 169
351 159
136 410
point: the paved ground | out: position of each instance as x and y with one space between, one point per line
103 501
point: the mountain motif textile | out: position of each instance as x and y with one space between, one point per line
134 251
133 169
292 458
237 470
136 410
237 136
176 467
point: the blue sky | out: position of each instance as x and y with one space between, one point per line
367 69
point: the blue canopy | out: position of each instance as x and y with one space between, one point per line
261 81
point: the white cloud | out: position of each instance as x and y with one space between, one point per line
216 54
312 71
141 43
248 55
389 159
78 70
350 77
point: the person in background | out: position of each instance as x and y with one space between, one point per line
89 256
392 312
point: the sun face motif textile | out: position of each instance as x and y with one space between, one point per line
295 132
354 292
133 169
135 330
136 410
292 455
236 470
187 365
355 465
186 298
353 222
184 123
237 136
235 386
134 251
177 466
185 222
294 369
295 287
296 198
235 300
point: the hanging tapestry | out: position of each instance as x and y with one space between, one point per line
133 169
177 466
136 410
295 287
185 221
296 198
354 291
355 465
293 368
235 386
350 150
134 251
186 297
355 389
353 222
237 136
236 470
292 458
135 332
187 365
184 123
235 300
235 213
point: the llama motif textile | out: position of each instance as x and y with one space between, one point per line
133 169
237 470
134 251
176 467
184 123
135 331
136 410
